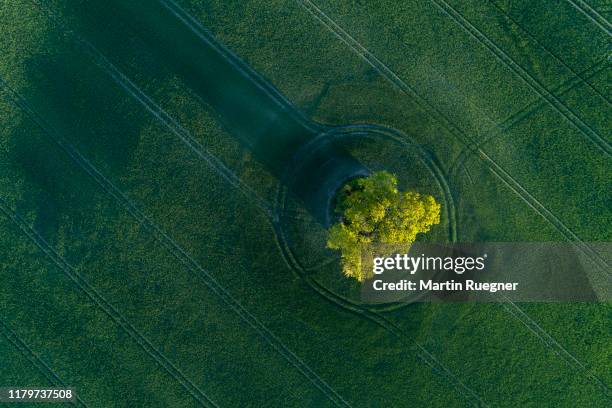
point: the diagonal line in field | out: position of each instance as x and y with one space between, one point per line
35 360
562 89
246 70
533 83
159 113
177 251
359 49
525 112
592 15
535 204
546 338
429 359
549 51
495 168
108 308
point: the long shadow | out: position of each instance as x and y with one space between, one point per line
256 114
62 99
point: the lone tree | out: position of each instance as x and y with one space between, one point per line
374 212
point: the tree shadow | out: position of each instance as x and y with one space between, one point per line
247 106
65 107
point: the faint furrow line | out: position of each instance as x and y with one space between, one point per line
359 49
177 251
549 51
159 113
108 308
378 65
533 83
246 70
562 89
497 170
546 338
422 353
521 114
592 15
430 359
535 204
36 361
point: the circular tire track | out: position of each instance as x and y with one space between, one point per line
281 219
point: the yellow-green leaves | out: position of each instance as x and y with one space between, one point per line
374 212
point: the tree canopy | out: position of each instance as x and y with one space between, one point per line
374 212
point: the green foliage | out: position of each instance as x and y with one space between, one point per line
374 212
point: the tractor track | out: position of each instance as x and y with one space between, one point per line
36 360
498 130
546 338
550 52
593 15
533 83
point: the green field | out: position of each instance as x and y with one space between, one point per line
160 243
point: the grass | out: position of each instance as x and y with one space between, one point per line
210 310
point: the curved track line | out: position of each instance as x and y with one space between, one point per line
431 162
369 131
108 308
555 56
533 83
36 361
296 266
177 251
592 15
373 317
339 132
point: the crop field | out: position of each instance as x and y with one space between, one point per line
161 242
